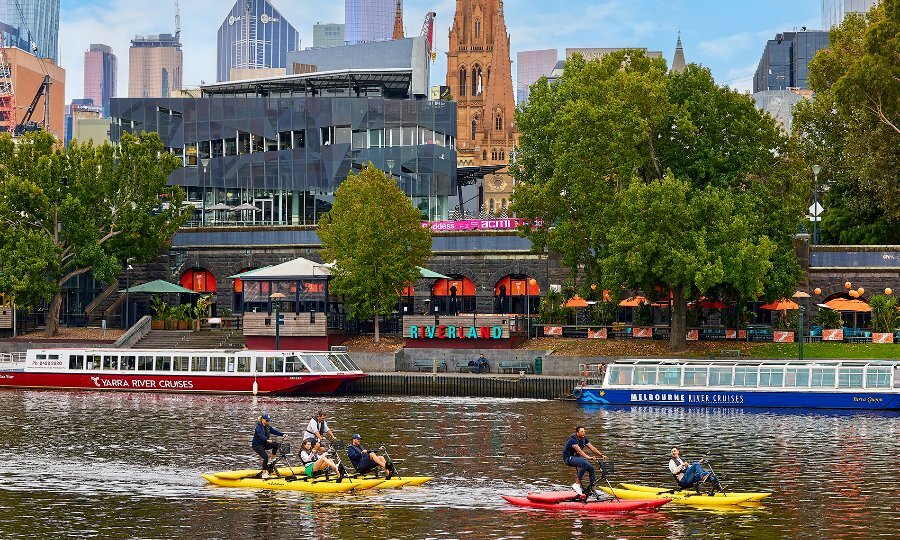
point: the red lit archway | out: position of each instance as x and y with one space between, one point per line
453 296
199 280
517 293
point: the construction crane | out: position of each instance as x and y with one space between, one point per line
428 32
7 93
25 124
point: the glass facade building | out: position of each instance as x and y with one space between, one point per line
369 20
834 11
100 72
785 60
40 26
277 159
531 66
254 35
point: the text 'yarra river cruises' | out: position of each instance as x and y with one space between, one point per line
200 371
715 383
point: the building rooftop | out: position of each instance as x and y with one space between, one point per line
358 82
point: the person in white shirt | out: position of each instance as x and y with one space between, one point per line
318 430
687 474
314 462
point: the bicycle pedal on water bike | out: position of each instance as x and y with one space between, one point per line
282 455
587 491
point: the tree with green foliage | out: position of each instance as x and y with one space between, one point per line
852 127
375 236
67 212
646 179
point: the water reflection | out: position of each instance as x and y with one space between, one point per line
127 465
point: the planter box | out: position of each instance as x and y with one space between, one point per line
183 325
882 337
640 332
158 324
833 334
782 336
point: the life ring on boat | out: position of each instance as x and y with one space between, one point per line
577 393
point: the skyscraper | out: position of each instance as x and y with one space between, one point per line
785 60
834 11
328 35
531 66
369 20
100 71
479 74
155 66
254 35
37 23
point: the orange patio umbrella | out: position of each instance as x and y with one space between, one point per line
842 304
781 305
633 302
577 302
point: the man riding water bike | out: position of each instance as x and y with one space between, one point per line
689 474
262 441
574 455
318 430
365 460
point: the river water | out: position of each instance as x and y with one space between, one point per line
123 465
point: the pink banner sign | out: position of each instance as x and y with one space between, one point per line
693 335
507 224
597 334
833 334
641 333
553 330
735 334
882 337
780 336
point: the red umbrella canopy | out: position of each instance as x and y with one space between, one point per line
577 302
781 305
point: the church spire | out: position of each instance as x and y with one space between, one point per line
398 21
678 63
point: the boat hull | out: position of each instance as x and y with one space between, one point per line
863 400
324 384
754 497
292 484
692 500
603 507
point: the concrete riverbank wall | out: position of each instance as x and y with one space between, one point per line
405 360
463 385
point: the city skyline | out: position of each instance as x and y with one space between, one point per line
729 39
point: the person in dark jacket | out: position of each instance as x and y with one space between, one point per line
262 441
365 460
575 455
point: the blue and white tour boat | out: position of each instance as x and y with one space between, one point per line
816 384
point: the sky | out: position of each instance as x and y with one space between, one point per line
726 36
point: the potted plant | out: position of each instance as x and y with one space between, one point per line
226 317
643 321
885 318
830 321
160 313
201 310
182 316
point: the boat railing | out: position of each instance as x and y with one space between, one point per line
591 373
12 360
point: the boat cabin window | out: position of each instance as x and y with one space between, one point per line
620 375
260 364
163 363
745 376
695 376
325 361
878 377
274 364
850 377
720 376
771 376
243 364
670 376
644 375
796 376
145 363
110 362
217 363
342 361
198 363
293 364
93 361
128 363
823 377
76 361
181 363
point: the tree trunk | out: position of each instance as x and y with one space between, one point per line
52 327
678 337
375 316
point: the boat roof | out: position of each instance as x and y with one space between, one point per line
751 362
107 350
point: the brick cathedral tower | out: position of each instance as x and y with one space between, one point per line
479 75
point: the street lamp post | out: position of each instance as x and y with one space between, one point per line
127 286
276 299
799 296
816 169
204 162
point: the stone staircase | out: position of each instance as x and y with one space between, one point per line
225 338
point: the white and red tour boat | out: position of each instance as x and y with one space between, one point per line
180 371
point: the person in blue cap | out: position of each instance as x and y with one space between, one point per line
365 460
262 441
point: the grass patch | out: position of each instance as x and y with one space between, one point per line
836 350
